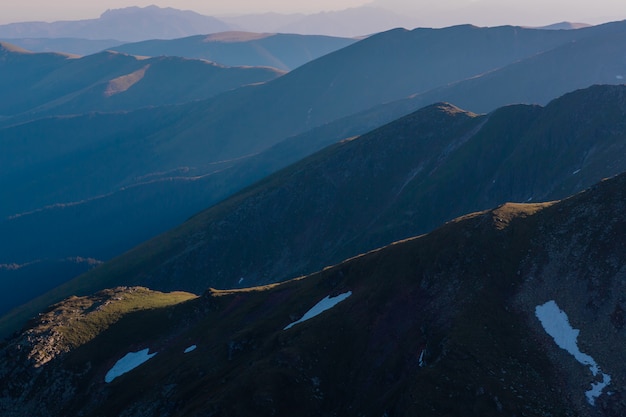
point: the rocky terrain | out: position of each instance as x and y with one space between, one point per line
442 324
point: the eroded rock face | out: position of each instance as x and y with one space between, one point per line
47 336
33 377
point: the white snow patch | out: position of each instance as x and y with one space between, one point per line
596 389
128 363
576 172
326 304
190 349
556 324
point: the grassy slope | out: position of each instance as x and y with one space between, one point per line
78 320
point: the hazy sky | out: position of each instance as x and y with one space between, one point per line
426 12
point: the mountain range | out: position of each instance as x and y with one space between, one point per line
128 24
400 180
132 24
41 84
515 310
281 51
351 22
418 222
179 159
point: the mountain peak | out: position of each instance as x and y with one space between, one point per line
127 24
445 107
564 26
151 10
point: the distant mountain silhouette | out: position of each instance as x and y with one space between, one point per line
351 22
564 26
128 24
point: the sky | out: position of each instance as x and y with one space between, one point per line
425 12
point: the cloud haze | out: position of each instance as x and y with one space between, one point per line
424 12
44 10
498 12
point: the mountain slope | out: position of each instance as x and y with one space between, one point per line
128 24
200 152
540 78
447 323
400 180
75 46
26 67
111 81
278 50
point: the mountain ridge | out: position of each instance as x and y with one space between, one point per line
79 85
278 50
441 323
200 150
420 171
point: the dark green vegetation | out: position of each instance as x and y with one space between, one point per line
278 50
95 185
441 324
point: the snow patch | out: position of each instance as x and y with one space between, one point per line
596 389
128 363
556 324
190 349
326 304
576 172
